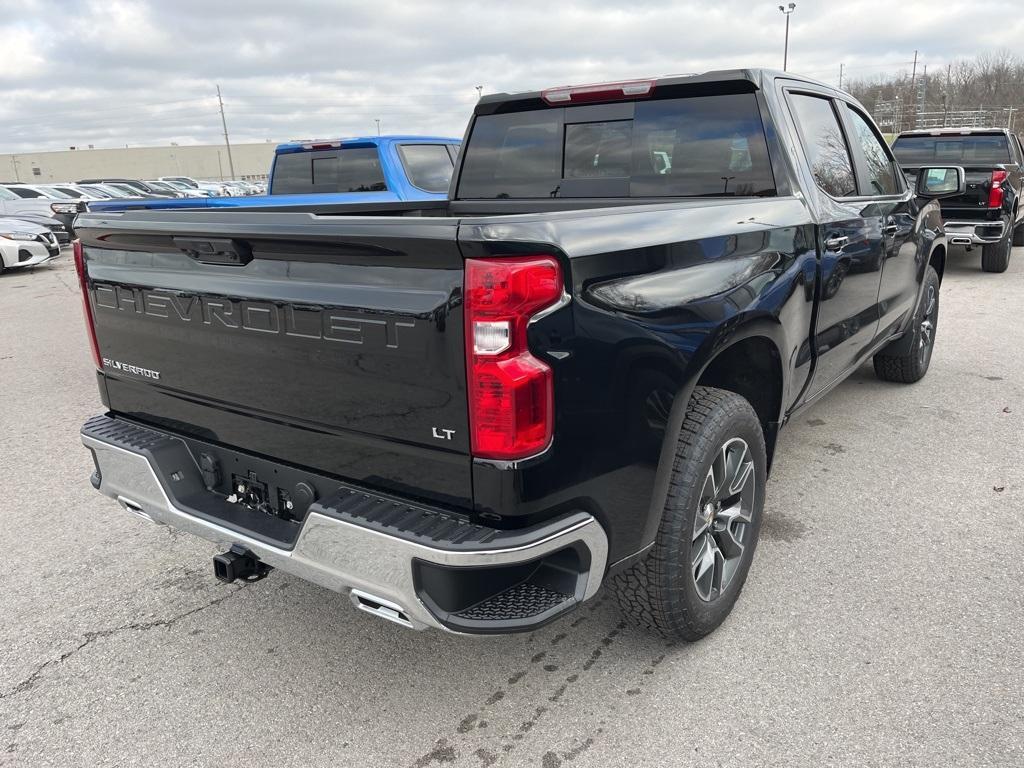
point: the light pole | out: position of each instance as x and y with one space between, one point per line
479 92
377 121
786 11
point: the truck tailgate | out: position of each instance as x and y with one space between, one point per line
973 204
333 343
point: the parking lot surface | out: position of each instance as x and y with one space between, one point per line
881 623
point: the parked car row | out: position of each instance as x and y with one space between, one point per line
37 219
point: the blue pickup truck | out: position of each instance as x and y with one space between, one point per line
370 169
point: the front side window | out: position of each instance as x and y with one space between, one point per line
881 173
824 145
683 147
428 166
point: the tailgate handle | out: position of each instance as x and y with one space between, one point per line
216 250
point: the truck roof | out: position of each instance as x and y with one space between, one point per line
955 132
298 145
743 79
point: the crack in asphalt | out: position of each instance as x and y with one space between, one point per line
35 677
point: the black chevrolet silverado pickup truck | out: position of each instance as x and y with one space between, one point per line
989 213
471 414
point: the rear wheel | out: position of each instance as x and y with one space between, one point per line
996 256
688 582
906 360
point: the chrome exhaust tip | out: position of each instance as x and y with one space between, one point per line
134 508
381 608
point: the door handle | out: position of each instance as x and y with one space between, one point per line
837 243
890 229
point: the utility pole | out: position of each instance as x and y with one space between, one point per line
786 10
913 92
227 141
841 77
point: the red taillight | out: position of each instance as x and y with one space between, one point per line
587 94
511 393
90 324
995 194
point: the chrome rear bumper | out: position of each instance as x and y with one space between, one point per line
974 232
375 568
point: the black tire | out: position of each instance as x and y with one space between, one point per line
906 360
661 593
996 256
1018 235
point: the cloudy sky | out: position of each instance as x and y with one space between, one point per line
116 72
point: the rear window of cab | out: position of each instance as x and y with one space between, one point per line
355 169
978 148
684 147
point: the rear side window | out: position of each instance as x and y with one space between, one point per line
824 145
975 149
428 166
26 193
881 172
339 170
688 147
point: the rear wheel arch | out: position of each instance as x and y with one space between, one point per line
751 368
743 367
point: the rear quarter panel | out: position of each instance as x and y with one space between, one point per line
657 292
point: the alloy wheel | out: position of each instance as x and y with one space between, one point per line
723 519
929 319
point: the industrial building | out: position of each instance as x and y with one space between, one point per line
201 161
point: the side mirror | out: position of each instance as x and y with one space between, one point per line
941 181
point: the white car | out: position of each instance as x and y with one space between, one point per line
188 181
24 244
218 189
34 191
66 210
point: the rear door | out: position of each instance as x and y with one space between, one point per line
333 343
850 235
880 179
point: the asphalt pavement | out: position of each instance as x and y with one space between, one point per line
882 623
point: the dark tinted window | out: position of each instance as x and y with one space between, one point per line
345 170
707 145
881 173
825 146
27 193
921 150
428 166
